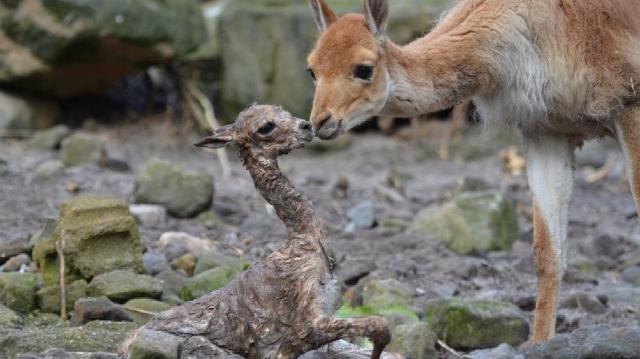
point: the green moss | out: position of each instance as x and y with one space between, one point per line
18 291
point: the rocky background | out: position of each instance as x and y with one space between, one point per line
98 176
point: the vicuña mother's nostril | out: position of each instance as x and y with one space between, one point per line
324 121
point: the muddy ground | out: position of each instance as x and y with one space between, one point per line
602 207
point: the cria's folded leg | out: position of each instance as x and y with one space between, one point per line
199 347
376 329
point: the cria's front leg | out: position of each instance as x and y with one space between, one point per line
376 329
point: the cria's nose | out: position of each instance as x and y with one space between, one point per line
305 125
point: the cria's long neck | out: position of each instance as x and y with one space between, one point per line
434 73
291 206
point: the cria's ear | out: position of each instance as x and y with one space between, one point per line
322 13
221 137
377 12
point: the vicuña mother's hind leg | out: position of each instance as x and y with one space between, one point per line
550 172
628 129
376 329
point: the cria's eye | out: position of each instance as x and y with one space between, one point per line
267 128
310 71
363 72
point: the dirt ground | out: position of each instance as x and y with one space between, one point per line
603 207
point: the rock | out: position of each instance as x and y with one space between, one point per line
210 220
49 170
49 300
175 244
80 148
185 264
50 138
213 259
93 337
472 221
446 290
13 247
415 340
172 284
315 354
28 356
15 264
582 301
476 324
599 341
351 270
386 194
86 310
339 190
208 281
56 353
148 214
184 193
9 318
18 291
198 347
386 293
154 263
122 285
259 39
632 275
607 246
360 217
85 47
22 113
143 309
84 355
100 236
502 351
154 344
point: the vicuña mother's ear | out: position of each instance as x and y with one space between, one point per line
221 137
322 13
377 12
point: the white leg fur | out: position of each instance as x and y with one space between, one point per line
550 171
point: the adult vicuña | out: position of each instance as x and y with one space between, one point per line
282 306
562 71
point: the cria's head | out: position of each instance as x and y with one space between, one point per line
265 130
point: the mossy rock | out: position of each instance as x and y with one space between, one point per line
49 299
9 318
413 340
482 220
143 309
208 281
379 294
80 148
93 337
18 291
183 192
121 285
212 259
476 324
154 344
100 236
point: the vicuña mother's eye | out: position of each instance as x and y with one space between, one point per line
267 128
363 72
310 71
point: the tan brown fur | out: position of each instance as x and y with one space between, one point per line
561 71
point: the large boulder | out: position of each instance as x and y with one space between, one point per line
70 47
265 45
473 221
100 236
183 192
18 291
476 324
